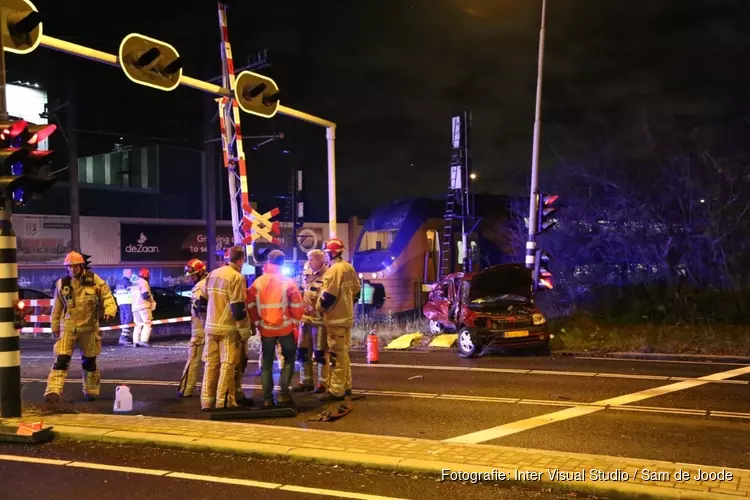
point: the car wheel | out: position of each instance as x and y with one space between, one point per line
467 343
435 327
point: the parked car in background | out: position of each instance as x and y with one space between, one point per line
489 308
183 289
169 304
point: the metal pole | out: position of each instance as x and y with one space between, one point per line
3 99
208 165
10 341
531 243
72 134
331 140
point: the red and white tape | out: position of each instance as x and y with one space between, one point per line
38 302
105 328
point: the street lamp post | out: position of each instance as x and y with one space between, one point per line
534 189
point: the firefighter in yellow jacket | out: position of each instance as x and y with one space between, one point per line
80 297
196 270
339 292
313 344
227 331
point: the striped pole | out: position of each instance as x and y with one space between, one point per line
10 340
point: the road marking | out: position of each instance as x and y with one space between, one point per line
476 399
197 477
558 416
640 360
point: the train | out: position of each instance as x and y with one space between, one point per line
399 250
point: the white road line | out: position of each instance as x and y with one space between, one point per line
641 360
530 423
197 477
517 371
476 399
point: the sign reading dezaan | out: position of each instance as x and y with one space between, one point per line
163 243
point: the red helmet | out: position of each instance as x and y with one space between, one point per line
335 247
144 273
195 267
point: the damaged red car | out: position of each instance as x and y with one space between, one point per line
493 308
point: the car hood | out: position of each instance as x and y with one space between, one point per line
500 288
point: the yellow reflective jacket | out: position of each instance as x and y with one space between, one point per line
312 290
79 302
338 294
227 307
199 301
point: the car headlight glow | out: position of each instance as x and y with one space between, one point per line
538 319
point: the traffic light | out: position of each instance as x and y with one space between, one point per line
150 62
545 211
257 94
21 26
543 276
22 165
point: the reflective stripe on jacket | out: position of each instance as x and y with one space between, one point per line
275 303
225 290
340 286
122 292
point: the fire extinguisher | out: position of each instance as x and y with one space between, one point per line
373 348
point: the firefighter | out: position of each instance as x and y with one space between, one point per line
143 305
312 332
124 302
276 307
79 299
195 270
227 330
339 292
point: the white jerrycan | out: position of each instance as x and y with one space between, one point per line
123 399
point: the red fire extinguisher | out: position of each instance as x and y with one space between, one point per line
373 348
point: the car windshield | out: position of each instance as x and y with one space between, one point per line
501 284
377 240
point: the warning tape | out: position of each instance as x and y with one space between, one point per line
38 302
182 319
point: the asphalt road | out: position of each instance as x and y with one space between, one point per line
96 472
440 396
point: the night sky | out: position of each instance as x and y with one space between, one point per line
392 73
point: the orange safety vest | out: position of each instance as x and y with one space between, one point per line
275 303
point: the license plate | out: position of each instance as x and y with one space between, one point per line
512 335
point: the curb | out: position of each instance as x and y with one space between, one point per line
657 356
381 462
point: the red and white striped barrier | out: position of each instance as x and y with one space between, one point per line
31 319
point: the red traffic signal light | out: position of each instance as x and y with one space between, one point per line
545 211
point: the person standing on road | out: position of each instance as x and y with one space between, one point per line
312 331
79 299
227 329
275 306
196 270
339 292
143 305
124 302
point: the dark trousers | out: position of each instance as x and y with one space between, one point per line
268 349
126 317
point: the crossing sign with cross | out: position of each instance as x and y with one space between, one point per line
260 227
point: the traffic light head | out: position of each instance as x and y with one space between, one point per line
545 211
257 94
150 62
542 272
23 168
21 26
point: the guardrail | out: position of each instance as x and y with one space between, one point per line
39 304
